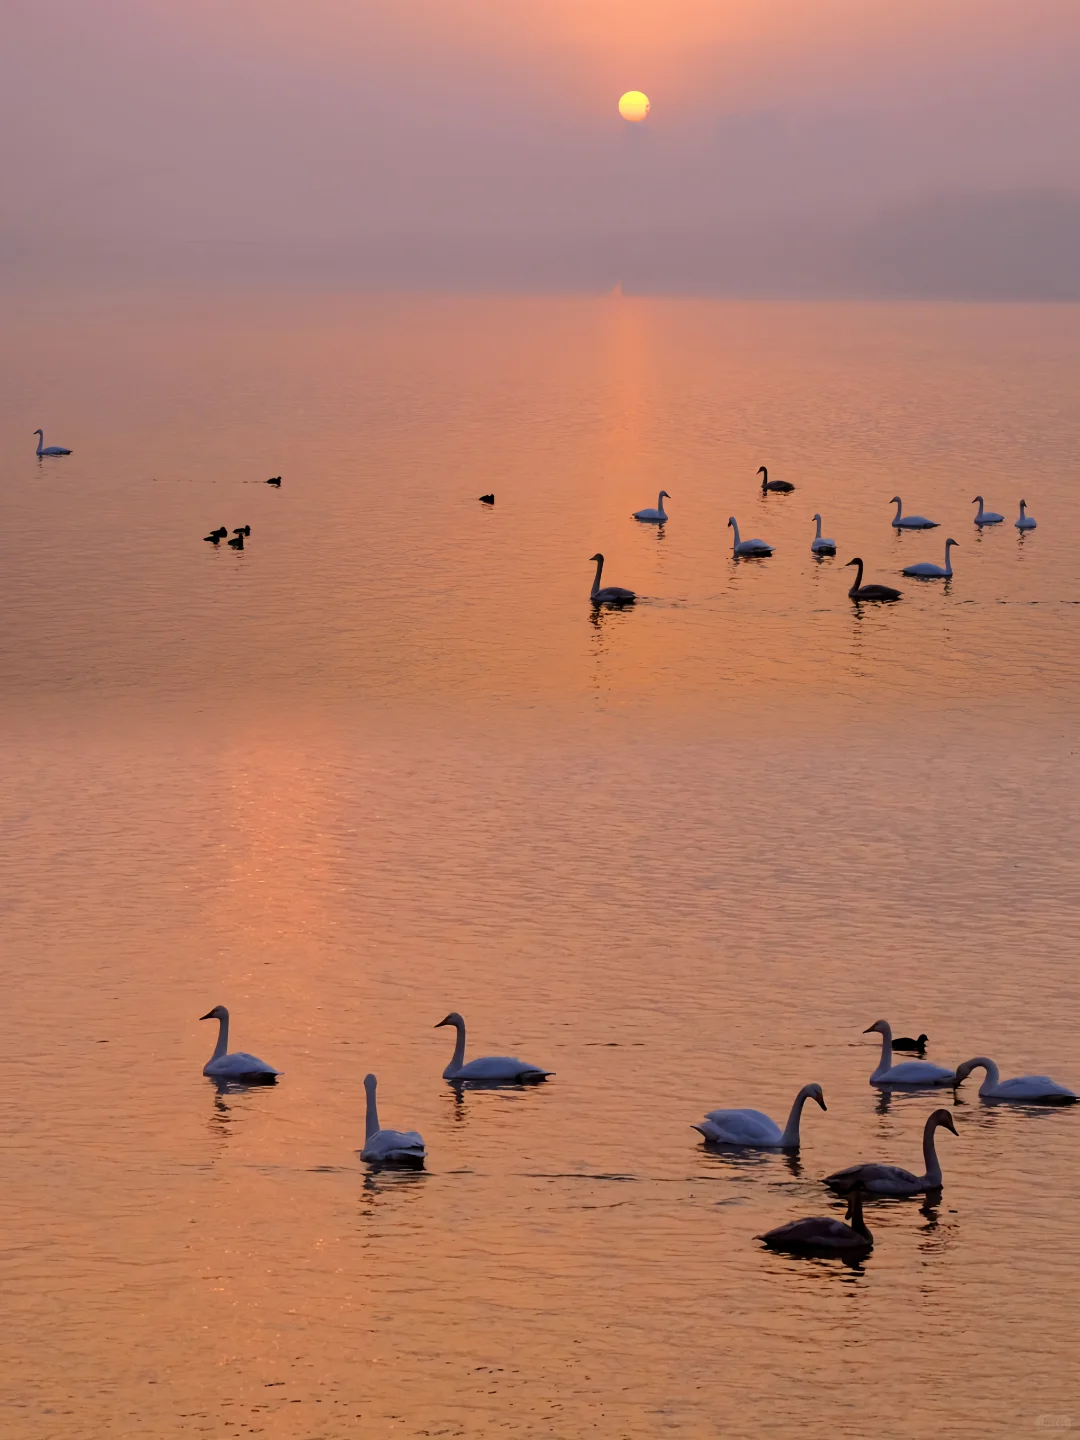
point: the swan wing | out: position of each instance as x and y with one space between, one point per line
915 1072
500 1067
879 1179
816 1229
390 1146
1032 1087
237 1064
743 1127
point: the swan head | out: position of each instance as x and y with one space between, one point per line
664 495
761 470
40 432
369 1083
454 1018
597 556
1023 503
941 1117
217 1013
731 521
952 542
815 1092
858 561
815 517
881 1027
896 500
978 500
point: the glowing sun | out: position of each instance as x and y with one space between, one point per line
634 105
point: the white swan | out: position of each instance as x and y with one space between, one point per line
1023 1087
927 571
986 517
751 1127
820 545
911 1072
1025 521
657 516
389 1147
890 1179
909 522
492 1069
747 547
610 594
43 449
238 1066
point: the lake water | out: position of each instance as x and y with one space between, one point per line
386 763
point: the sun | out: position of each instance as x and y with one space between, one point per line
634 106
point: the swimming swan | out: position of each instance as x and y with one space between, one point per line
238 1066
492 1069
823 1235
927 571
783 486
1023 1087
1025 522
610 594
859 591
43 449
890 1179
911 1072
657 516
751 1127
986 517
909 522
747 547
389 1147
820 545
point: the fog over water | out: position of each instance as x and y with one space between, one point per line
464 144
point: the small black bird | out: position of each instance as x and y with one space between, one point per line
275 480
237 542
241 530
216 535
487 499
907 1043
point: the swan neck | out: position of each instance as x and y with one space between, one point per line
992 1077
371 1121
858 1224
735 527
899 508
818 535
930 1159
459 1049
660 503
40 442
222 1038
596 581
885 1063
790 1137
857 587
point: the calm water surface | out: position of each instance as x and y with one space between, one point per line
386 763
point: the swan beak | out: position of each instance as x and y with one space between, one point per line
209 1016
949 1125
869 1028
821 1102
440 1024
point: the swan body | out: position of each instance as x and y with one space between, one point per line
891 1180
657 516
1024 522
986 517
1022 1087
389 1147
909 522
822 1235
608 594
907 1043
43 449
747 547
492 1069
239 1065
820 545
926 571
752 1128
784 487
859 591
909 1072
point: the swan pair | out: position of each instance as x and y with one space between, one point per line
926 571
745 548
43 449
657 516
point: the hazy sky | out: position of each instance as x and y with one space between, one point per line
478 140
